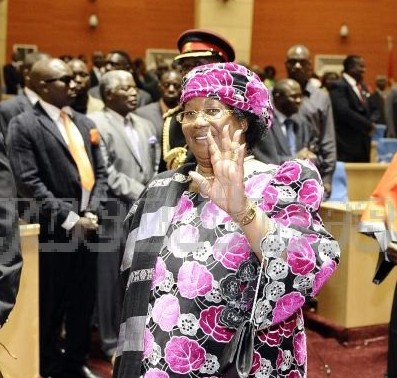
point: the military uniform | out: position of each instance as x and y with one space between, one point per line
196 46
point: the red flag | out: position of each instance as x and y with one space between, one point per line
390 62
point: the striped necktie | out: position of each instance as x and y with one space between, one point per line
79 153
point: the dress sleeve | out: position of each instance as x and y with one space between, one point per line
301 255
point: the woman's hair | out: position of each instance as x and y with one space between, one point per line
257 126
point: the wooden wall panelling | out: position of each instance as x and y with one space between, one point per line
62 27
280 24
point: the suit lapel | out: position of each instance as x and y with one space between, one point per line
280 137
52 128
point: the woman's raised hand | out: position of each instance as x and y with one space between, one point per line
227 188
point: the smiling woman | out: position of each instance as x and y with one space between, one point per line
198 237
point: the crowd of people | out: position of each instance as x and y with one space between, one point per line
159 193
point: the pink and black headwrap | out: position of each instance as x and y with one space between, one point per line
232 84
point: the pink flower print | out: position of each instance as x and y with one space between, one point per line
256 96
300 348
270 336
148 341
156 373
159 272
256 362
287 305
327 269
166 312
211 215
300 256
194 279
293 214
209 323
287 327
184 207
270 197
288 172
231 250
183 240
311 194
255 185
294 374
183 355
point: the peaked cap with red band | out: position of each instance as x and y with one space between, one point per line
197 43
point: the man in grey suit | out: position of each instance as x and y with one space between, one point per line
317 109
128 144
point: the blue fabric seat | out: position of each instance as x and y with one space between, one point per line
339 184
379 132
385 149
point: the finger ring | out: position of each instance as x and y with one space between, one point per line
234 157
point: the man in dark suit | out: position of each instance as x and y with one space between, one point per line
353 125
24 101
54 153
170 92
12 74
10 254
97 69
291 137
376 100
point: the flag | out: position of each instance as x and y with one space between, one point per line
390 61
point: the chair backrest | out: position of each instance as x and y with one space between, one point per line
339 184
379 132
386 148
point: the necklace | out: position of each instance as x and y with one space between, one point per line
206 177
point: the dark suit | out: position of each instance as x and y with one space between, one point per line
280 141
352 123
45 171
376 103
10 255
12 78
12 107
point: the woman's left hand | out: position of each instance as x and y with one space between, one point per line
227 188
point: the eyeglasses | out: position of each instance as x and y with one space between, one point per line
209 114
65 79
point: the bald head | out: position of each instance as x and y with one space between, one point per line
298 64
28 62
53 81
298 52
287 96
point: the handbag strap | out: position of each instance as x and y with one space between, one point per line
257 290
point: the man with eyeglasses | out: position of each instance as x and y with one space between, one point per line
120 60
316 109
128 145
54 153
196 47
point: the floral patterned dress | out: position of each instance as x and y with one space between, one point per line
205 278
